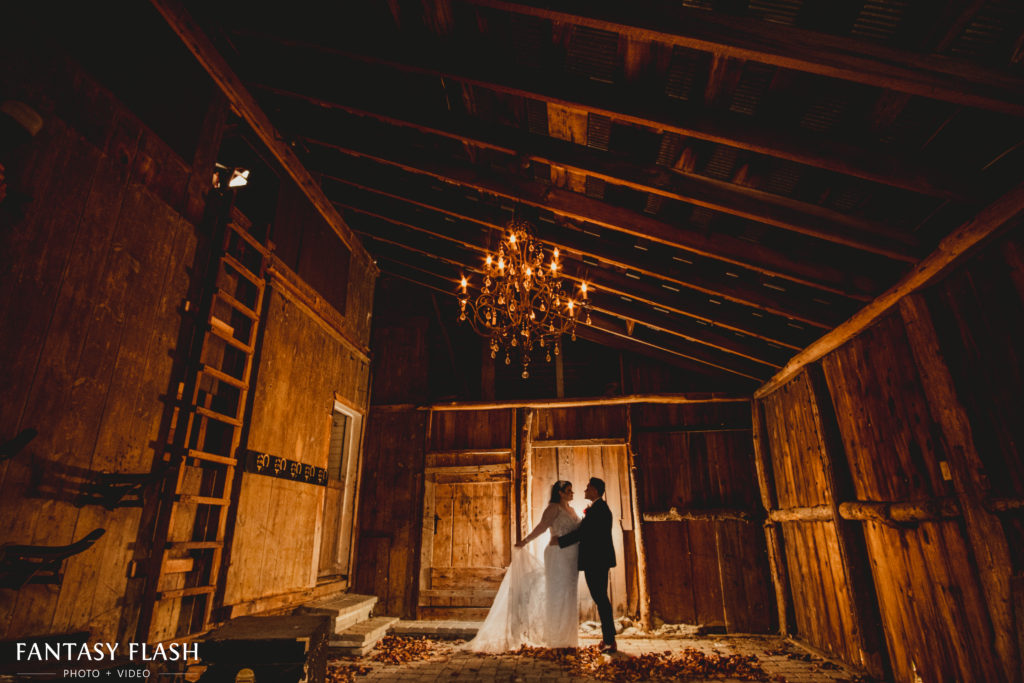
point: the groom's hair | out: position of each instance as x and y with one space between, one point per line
598 485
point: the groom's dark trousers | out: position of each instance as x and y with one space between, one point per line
596 557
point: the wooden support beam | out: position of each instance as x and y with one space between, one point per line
700 515
772 533
1001 214
850 159
410 200
762 258
245 104
853 553
983 528
729 198
573 443
787 47
644 597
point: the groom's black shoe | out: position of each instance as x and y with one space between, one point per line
608 648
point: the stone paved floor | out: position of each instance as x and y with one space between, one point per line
450 664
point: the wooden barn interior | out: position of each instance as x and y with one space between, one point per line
235 381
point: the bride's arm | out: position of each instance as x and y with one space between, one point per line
545 522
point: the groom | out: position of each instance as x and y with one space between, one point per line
597 555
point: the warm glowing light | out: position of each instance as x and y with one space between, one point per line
583 288
522 307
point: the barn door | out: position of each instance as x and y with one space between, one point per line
578 464
467 531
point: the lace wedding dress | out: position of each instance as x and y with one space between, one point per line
536 604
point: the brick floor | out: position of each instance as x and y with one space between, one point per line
448 663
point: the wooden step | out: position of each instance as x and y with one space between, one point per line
346 609
358 639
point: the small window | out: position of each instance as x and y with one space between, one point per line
341 427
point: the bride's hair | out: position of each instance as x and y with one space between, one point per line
558 487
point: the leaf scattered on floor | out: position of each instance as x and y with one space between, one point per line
338 672
689 663
399 650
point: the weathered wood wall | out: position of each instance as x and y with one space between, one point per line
301 369
710 571
96 252
927 407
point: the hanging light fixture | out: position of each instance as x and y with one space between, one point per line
523 307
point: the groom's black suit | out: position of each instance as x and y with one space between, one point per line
596 557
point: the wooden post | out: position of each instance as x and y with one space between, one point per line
772 532
644 596
984 529
523 470
853 553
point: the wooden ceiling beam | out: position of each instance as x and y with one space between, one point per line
1004 213
602 302
245 104
605 326
786 47
779 332
875 164
737 200
809 271
736 285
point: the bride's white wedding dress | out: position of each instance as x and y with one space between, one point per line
536 604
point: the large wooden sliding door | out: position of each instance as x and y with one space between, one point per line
578 464
467 531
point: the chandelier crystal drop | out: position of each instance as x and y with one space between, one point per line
523 303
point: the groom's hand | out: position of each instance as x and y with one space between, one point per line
554 540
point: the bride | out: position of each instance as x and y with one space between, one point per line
537 605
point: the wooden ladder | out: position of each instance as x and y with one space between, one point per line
207 430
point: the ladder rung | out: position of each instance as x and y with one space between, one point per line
195 545
236 304
202 500
242 270
177 565
253 242
184 592
224 377
223 334
219 417
211 457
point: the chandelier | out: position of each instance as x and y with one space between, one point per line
522 307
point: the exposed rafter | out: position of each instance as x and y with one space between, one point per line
706 311
602 330
571 205
788 47
874 164
725 350
737 200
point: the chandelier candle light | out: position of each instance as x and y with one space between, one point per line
521 304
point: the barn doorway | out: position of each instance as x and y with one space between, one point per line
578 464
340 494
